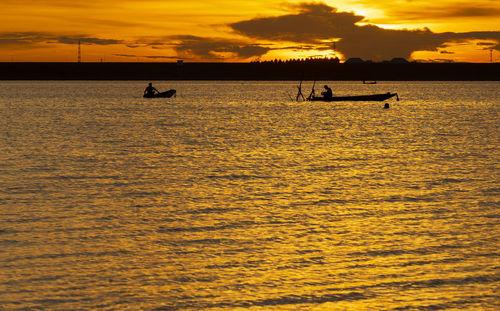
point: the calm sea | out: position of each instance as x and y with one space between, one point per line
231 196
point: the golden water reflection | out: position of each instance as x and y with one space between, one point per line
206 203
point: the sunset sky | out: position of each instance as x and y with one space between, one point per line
239 31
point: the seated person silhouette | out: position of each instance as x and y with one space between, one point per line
327 93
150 90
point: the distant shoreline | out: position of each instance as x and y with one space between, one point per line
252 71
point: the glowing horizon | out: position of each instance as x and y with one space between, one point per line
221 31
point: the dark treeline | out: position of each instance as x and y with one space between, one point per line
271 70
307 61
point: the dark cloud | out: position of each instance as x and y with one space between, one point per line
214 48
126 55
146 56
87 40
469 11
432 13
317 23
21 38
489 45
485 43
187 47
35 38
194 47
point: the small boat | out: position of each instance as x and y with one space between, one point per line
166 94
369 82
374 97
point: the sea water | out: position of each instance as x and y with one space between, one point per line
234 196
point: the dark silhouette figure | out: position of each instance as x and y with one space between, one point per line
150 91
327 93
386 106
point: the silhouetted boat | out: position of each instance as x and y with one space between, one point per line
374 97
166 94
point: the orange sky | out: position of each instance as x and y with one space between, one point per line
166 30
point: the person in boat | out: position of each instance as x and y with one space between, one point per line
150 90
327 93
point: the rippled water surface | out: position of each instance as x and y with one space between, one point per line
233 197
